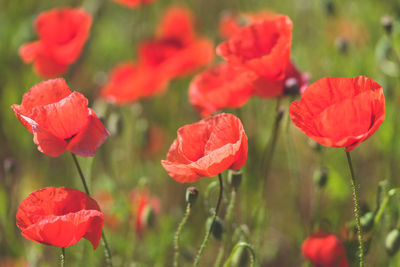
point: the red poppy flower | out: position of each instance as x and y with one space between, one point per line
143 207
176 51
220 87
129 82
262 47
60 120
340 112
60 217
133 3
207 148
294 82
62 32
324 250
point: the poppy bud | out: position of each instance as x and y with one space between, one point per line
191 195
367 221
320 177
387 23
9 166
217 229
115 123
392 242
342 45
241 256
148 217
329 8
235 178
291 86
314 145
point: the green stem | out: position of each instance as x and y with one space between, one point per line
62 257
356 210
107 252
178 233
239 245
270 148
228 217
203 245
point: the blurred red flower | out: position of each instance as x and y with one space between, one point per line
340 112
106 203
262 47
207 148
144 206
63 33
133 3
129 82
294 82
60 119
325 250
220 87
176 50
60 217
155 141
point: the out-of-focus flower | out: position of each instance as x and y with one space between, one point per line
129 82
133 3
144 209
340 112
262 47
220 87
156 140
207 148
325 250
60 120
176 50
63 33
106 203
294 82
60 217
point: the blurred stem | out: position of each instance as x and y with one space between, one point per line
228 218
248 247
62 257
270 148
203 245
356 210
107 252
178 233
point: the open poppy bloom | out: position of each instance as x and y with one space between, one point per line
176 50
340 112
60 217
325 250
262 47
60 120
62 33
133 3
207 148
130 82
220 87
144 208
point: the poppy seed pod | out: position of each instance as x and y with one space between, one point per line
235 178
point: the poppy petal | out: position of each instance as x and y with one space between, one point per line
86 142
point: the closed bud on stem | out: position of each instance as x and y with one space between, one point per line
320 177
291 87
235 178
342 45
191 195
392 242
367 221
217 229
149 217
241 257
387 24
280 113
